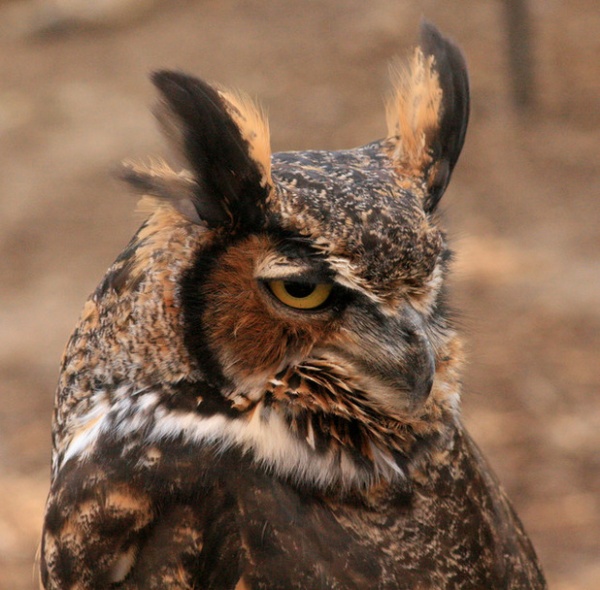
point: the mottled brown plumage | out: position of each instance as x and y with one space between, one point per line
263 390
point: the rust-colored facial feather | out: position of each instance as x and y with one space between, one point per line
251 334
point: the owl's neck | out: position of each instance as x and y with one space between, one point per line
299 429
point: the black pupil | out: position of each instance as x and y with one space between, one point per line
299 290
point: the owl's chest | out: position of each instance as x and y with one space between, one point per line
448 533
275 536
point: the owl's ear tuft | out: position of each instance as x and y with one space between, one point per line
428 113
224 142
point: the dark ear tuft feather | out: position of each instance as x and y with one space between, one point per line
229 187
451 68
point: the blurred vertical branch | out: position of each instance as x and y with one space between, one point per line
517 18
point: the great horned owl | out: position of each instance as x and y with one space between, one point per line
263 391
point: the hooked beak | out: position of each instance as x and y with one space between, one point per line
392 358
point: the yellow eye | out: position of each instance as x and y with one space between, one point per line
300 295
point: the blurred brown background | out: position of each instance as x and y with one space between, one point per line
523 213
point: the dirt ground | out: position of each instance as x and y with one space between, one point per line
522 211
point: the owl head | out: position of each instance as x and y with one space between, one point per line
290 305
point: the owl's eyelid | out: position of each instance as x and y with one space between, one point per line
295 274
306 279
274 267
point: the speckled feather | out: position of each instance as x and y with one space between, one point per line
207 435
355 207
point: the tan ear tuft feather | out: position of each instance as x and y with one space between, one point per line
254 127
413 112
